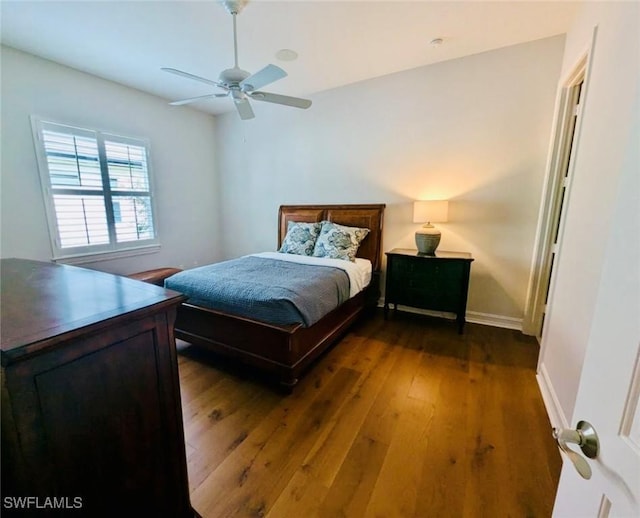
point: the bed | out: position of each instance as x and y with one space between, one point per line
285 351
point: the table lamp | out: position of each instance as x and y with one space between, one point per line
431 211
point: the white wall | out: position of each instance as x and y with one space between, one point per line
182 160
474 130
610 105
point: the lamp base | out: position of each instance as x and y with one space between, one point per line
427 240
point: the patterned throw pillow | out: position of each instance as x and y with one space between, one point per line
339 242
300 238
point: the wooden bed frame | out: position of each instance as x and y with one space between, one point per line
285 351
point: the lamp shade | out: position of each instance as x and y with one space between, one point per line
430 211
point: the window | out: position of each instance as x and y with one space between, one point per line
97 190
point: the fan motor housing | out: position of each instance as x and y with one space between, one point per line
233 75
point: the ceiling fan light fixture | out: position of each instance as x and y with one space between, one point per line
233 75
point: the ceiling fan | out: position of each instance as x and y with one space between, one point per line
240 84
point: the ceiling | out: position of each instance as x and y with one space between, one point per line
338 42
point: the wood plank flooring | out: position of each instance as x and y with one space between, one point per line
402 417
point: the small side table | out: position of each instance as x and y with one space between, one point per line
438 282
156 276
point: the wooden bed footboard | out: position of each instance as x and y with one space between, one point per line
281 351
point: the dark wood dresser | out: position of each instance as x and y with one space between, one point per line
438 282
91 412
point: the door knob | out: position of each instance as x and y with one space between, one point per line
586 438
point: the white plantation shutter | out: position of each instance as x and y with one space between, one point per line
130 189
82 220
97 189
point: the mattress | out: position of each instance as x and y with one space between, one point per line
274 287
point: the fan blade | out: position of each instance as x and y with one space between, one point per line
296 102
190 76
244 108
194 99
263 77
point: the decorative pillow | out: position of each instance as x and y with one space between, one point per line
339 242
300 238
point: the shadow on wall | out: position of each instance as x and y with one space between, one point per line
497 224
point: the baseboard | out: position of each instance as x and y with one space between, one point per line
474 317
551 402
489 319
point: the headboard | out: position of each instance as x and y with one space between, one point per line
363 216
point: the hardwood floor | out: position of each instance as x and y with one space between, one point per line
402 417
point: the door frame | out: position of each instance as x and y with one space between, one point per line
563 148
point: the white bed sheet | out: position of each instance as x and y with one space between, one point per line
359 272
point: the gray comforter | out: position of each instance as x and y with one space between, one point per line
278 292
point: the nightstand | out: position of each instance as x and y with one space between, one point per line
437 282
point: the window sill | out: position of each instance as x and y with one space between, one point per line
107 256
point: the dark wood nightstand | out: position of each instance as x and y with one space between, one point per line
437 282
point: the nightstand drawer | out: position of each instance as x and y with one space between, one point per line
427 275
443 275
439 300
424 281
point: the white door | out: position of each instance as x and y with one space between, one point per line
608 395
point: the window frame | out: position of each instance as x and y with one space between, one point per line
97 252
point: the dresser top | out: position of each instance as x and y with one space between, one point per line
42 300
439 254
